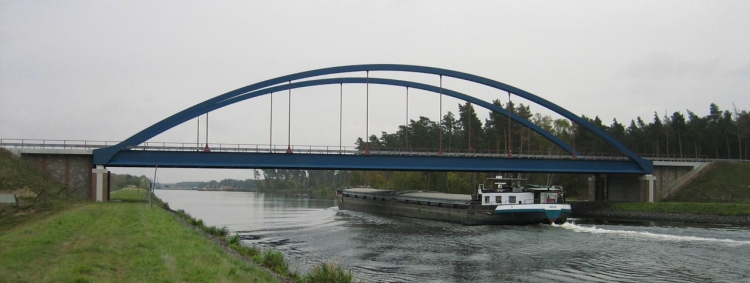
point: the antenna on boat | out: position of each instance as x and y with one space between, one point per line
549 179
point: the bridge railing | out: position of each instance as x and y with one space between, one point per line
352 150
297 149
323 149
55 144
245 148
700 160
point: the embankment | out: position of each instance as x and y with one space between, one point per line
666 212
117 242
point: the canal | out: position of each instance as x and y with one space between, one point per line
392 249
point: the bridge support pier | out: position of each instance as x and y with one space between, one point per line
100 183
649 179
598 187
622 187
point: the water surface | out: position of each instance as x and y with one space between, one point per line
396 249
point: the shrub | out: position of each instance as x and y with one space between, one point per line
181 213
198 223
274 260
186 216
252 252
218 232
223 232
234 239
257 258
327 272
234 243
212 230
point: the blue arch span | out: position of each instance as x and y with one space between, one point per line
392 82
101 156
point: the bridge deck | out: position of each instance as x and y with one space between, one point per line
180 155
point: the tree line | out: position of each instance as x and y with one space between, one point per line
120 181
720 134
238 185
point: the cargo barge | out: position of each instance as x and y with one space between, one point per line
509 202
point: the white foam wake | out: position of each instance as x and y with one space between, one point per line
643 234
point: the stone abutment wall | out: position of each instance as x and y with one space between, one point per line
72 170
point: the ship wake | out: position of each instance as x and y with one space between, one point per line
647 235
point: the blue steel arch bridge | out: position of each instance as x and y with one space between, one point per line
135 152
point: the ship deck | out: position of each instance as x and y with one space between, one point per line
429 197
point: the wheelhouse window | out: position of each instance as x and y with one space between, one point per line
499 199
549 197
512 199
486 199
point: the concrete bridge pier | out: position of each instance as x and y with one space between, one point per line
598 187
622 187
648 179
100 183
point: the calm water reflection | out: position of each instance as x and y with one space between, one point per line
391 249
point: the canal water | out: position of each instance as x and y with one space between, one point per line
395 249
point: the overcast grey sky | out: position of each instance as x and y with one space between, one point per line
104 70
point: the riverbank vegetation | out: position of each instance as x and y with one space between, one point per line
271 259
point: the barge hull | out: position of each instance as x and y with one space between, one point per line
471 215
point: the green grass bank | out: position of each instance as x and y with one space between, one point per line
723 182
122 241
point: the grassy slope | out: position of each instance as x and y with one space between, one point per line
16 175
38 196
130 195
724 182
116 242
679 207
